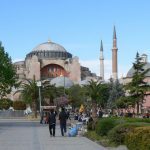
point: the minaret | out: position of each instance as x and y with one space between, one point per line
114 57
101 61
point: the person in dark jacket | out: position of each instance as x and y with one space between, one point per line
63 119
52 122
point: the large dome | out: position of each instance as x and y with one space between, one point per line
131 71
49 46
49 50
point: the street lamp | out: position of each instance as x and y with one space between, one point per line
39 84
66 61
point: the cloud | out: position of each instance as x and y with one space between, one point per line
94 66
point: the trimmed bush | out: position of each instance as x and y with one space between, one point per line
138 139
118 133
104 125
137 120
5 103
90 126
19 105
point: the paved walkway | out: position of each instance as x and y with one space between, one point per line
22 135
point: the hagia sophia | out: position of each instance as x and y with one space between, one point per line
51 61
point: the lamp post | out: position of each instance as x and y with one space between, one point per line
64 77
39 85
65 63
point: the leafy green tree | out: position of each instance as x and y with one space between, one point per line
138 88
76 95
104 95
49 92
124 102
8 76
115 91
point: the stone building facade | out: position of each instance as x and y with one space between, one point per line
47 61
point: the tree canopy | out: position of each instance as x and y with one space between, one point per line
30 93
77 95
93 91
115 92
138 88
8 76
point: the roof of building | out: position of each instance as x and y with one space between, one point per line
62 81
49 46
131 71
84 82
19 63
49 50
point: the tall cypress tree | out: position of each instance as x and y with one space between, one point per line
138 87
7 73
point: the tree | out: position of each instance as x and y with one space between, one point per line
76 95
93 91
8 76
49 92
124 102
30 93
138 88
115 91
104 95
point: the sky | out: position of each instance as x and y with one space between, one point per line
79 26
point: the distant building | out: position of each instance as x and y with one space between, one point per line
47 61
85 72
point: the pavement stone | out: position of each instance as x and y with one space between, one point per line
22 135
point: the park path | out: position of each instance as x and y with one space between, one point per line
24 135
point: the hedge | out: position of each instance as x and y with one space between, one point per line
137 120
138 139
118 133
5 103
19 105
104 125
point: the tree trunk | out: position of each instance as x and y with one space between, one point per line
137 107
94 109
34 109
94 114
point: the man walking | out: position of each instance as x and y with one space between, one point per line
63 119
52 122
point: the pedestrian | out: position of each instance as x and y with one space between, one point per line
100 113
63 120
52 122
68 114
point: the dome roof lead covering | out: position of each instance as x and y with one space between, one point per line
132 71
49 46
